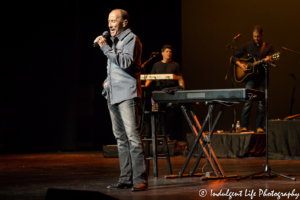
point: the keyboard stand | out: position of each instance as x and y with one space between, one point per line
204 141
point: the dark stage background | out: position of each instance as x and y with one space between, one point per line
51 76
207 26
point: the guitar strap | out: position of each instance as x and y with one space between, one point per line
262 50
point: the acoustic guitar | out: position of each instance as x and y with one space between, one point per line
243 76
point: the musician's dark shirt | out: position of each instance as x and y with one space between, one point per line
250 49
166 68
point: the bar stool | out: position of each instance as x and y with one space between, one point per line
158 133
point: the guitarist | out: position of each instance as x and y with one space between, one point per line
259 50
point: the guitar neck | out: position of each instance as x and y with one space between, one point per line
274 56
256 62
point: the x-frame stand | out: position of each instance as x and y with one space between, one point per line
204 142
267 169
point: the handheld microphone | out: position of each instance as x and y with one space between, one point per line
236 37
104 34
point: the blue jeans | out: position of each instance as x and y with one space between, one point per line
124 118
259 85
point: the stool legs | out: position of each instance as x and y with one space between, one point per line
166 148
154 145
157 127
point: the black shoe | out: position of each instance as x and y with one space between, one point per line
139 187
119 186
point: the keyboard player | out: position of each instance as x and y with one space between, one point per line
168 66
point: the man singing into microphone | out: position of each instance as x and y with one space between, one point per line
259 50
122 89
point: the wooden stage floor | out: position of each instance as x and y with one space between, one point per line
29 176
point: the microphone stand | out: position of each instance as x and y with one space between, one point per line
143 66
292 100
267 169
234 41
291 50
233 85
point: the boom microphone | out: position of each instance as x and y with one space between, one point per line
236 37
104 34
292 75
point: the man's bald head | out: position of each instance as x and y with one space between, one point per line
118 21
123 15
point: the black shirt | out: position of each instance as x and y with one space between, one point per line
166 68
254 51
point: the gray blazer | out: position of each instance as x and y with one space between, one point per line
123 67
